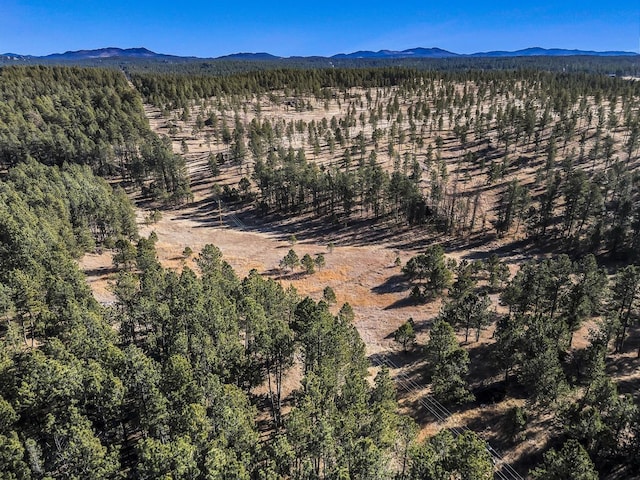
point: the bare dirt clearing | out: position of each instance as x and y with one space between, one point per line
359 275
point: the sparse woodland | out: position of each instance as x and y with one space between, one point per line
183 376
548 157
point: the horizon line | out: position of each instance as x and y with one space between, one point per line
627 52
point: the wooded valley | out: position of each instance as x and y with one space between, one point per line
509 199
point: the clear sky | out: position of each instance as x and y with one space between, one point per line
213 28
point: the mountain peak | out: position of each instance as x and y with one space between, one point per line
418 52
107 52
252 56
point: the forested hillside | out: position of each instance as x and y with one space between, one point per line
542 161
159 386
198 372
627 65
92 117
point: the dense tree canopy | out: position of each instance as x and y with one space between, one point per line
92 117
168 394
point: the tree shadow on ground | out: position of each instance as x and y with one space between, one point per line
394 284
509 249
623 365
629 386
481 366
410 359
401 303
101 271
419 326
282 275
340 230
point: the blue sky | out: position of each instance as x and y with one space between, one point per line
213 28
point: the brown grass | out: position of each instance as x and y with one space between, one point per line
360 273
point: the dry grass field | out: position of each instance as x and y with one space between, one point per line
360 267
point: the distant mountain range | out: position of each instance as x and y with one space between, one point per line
109 52
440 53
143 53
410 53
551 52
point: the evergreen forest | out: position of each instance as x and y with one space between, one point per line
509 195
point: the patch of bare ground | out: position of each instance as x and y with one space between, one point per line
364 276
360 268
99 271
290 383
